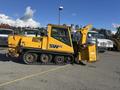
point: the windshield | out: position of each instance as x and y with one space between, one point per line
101 36
96 35
6 32
29 32
93 34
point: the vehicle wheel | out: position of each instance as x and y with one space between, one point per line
45 58
68 60
30 58
59 59
101 50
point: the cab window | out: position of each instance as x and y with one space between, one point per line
61 34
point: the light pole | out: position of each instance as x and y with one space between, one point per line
59 16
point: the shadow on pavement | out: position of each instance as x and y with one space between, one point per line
3 57
81 63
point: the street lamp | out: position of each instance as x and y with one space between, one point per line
60 9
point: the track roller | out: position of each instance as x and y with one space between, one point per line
68 60
59 59
45 58
30 58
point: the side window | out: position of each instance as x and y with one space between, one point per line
61 34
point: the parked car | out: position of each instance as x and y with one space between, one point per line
4 36
102 43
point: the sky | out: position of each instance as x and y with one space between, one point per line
100 13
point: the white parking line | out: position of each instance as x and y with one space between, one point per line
32 75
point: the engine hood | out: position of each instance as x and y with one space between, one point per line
104 40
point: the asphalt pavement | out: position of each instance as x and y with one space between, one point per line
101 75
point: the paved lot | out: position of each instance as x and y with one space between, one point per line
102 75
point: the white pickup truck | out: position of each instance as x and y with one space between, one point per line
102 43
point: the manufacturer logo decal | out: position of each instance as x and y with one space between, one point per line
55 46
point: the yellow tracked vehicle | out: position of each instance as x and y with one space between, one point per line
55 46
